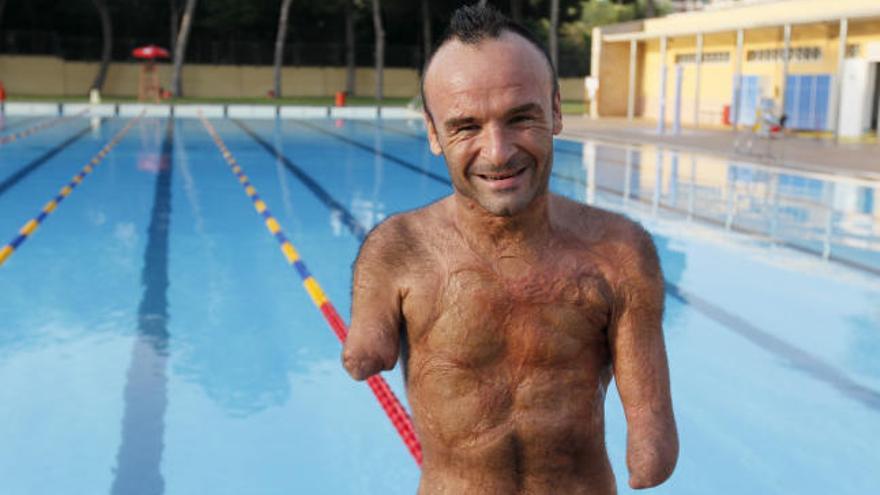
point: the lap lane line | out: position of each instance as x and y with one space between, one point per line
37 128
33 224
26 170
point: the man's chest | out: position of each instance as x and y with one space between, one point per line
479 314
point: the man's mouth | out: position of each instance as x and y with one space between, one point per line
502 175
504 180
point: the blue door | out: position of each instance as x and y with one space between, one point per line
806 101
750 93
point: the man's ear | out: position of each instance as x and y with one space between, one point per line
433 138
557 113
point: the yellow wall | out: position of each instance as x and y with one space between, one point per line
614 80
716 85
52 76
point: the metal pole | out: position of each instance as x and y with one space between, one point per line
627 177
661 118
731 203
829 221
841 63
693 189
631 97
676 120
699 68
737 79
589 164
774 206
658 183
786 55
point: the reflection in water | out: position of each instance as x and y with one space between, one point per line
241 371
368 213
278 141
834 217
674 264
139 457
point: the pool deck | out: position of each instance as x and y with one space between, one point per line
860 160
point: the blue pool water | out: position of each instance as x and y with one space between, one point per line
153 340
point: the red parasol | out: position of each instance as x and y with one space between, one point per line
150 52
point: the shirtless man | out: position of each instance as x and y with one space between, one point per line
511 307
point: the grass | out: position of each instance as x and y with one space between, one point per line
571 107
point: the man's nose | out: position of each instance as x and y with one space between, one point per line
497 145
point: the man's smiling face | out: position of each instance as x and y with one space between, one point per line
493 114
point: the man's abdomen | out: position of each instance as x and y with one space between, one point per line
483 432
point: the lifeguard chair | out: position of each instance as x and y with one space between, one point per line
148 82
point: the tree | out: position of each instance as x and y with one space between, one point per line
175 14
650 9
426 31
516 10
107 50
2 7
180 47
380 49
279 44
350 69
554 33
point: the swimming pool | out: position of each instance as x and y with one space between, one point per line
152 339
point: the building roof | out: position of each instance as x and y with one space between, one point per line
750 15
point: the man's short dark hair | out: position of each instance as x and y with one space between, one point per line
472 24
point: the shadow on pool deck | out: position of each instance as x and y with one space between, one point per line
796 152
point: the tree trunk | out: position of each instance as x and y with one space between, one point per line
349 47
279 44
2 7
106 51
180 47
554 33
426 31
650 9
174 22
516 10
380 49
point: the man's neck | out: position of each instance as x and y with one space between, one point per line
522 234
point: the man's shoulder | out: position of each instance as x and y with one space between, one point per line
620 245
599 225
406 231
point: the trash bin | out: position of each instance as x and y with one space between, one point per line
340 98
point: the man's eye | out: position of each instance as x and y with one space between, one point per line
520 118
466 128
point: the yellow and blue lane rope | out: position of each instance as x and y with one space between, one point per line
387 399
34 223
39 127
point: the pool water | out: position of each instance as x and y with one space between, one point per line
153 340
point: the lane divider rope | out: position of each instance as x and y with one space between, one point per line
39 127
31 225
398 415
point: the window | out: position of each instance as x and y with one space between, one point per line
853 51
796 54
708 58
